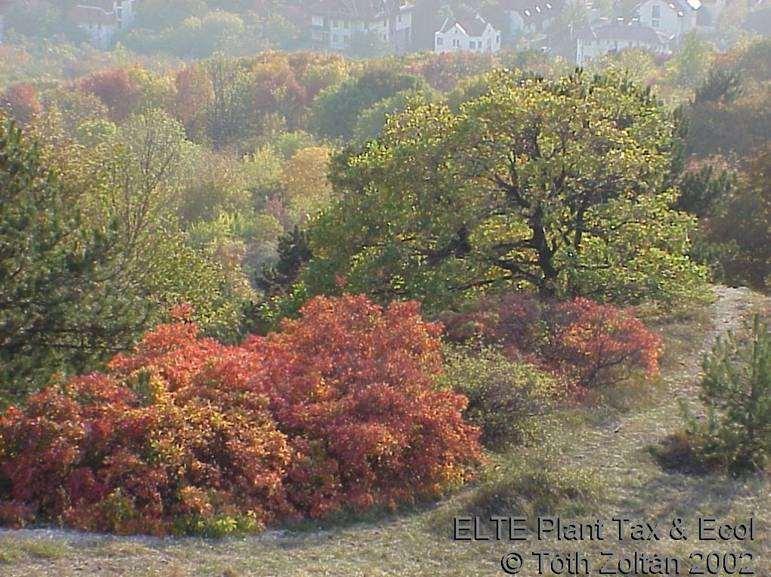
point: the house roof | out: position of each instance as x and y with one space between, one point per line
357 9
628 30
534 10
680 6
471 25
93 15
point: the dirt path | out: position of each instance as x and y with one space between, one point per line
615 447
637 484
629 433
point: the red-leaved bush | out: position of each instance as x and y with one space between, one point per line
353 388
115 88
588 342
21 101
188 435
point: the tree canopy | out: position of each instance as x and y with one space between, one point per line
560 185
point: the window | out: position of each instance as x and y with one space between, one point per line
472 45
439 40
656 16
456 43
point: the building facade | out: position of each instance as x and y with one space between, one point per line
671 18
530 17
467 35
336 23
595 42
102 20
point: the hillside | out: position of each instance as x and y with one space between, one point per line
609 442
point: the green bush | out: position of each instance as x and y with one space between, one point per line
534 487
505 397
736 389
736 433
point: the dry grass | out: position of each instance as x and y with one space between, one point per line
606 445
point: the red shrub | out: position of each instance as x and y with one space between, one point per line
115 88
352 386
339 409
21 102
589 340
167 437
194 93
581 339
513 319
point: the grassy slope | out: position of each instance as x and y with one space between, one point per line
609 443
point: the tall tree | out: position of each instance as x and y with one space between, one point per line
62 305
557 184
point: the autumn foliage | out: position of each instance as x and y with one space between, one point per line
188 435
115 88
352 387
586 342
589 340
22 103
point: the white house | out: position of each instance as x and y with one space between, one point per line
335 22
615 36
102 19
672 18
467 35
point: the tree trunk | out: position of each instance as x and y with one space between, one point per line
548 285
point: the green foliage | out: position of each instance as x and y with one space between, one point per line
162 14
293 253
534 487
337 109
90 254
178 273
557 184
703 189
505 398
367 45
64 302
721 85
690 65
41 19
739 227
371 121
736 389
729 114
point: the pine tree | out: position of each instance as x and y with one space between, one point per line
737 391
63 302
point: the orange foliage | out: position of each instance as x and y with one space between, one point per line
21 102
352 386
115 88
585 341
339 409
